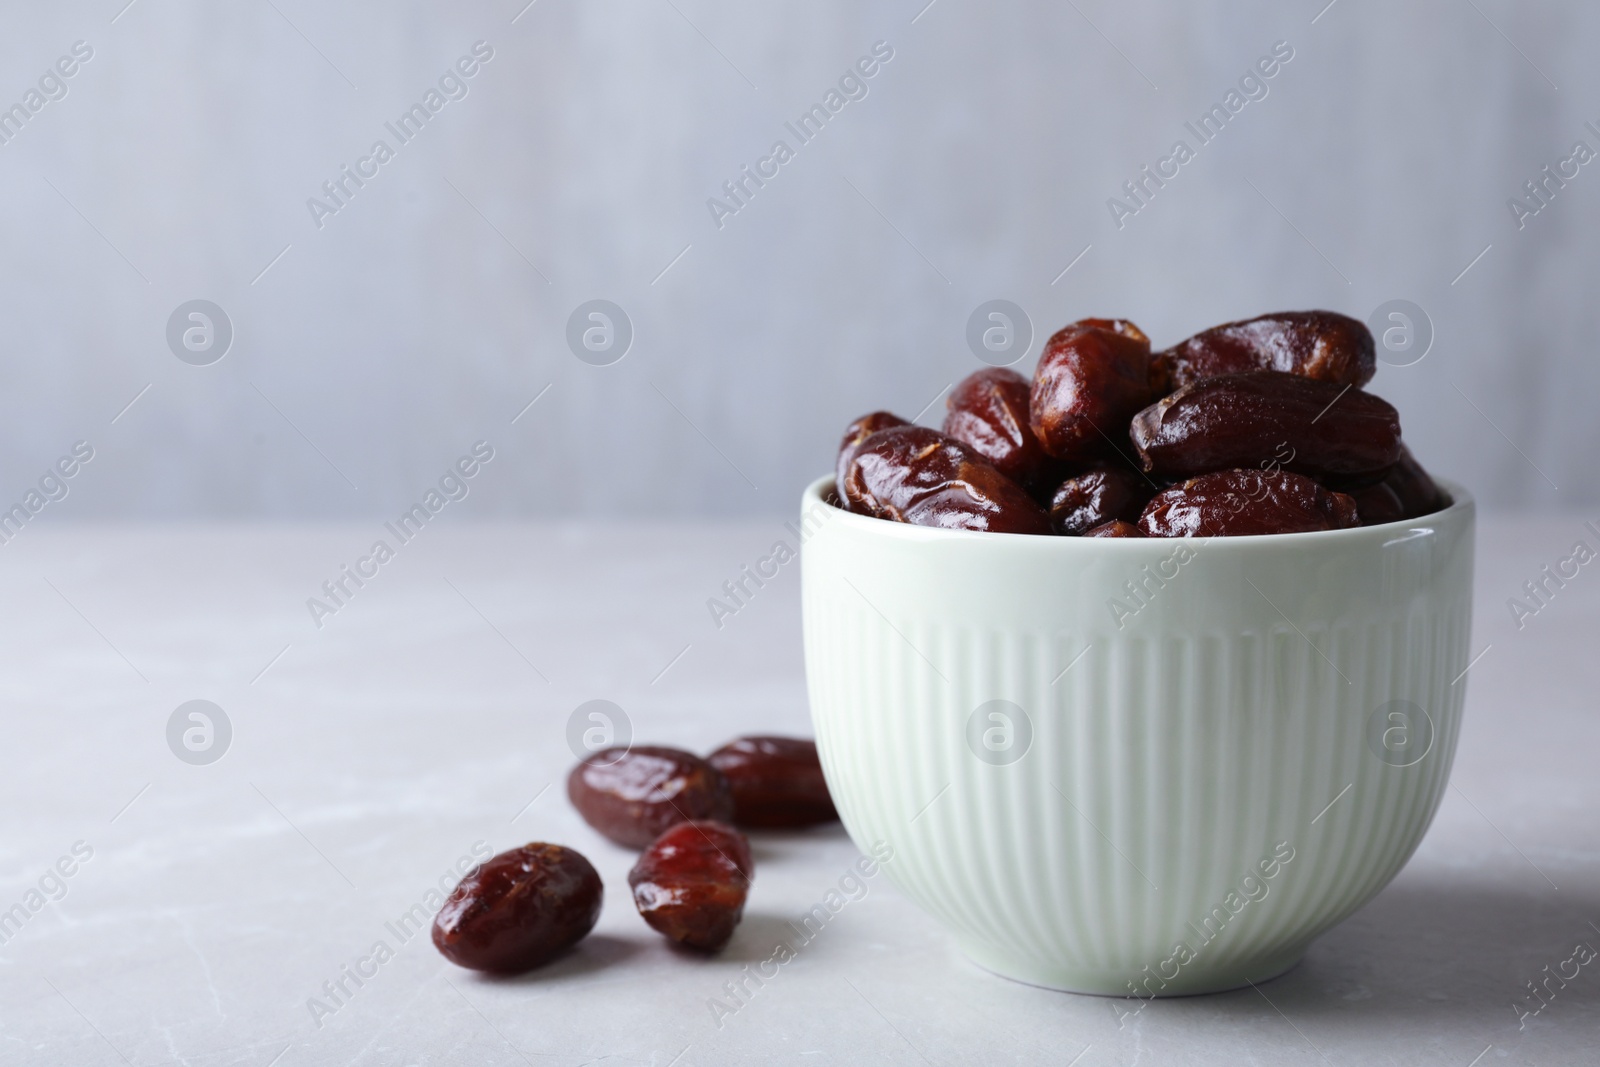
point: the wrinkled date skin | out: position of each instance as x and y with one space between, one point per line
691 883
1093 376
1406 492
1314 344
519 909
917 475
854 434
777 782
1241 420
1096 497
632 797
988 412
1239 503
1117 528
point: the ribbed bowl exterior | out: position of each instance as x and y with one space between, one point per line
1268 717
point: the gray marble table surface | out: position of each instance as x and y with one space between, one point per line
180 913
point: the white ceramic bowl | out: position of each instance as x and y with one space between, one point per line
1136 766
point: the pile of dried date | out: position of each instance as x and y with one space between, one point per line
522 908
1256 427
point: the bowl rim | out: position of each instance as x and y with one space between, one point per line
1462 508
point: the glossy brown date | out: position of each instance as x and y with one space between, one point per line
1098 496
632 795
916 475
777 782
1091 379
1238 503
1314 344
519 909
691 883
1116 528
988 412
854 434
1405 492
1267 417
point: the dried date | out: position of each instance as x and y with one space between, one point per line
1091 379
1242 420
1406 492
988 412
1314 344
1237 503
632 795
777 782
1377 504
519 909
916 475
1116 528
854 434
1418 492
1098 496
691 883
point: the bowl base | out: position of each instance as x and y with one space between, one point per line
1195 979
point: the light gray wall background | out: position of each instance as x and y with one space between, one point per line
432 308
